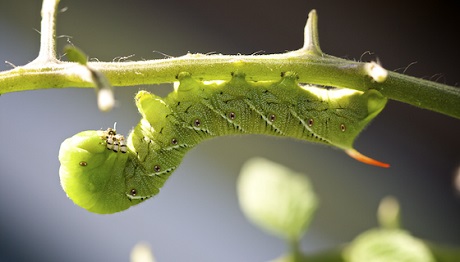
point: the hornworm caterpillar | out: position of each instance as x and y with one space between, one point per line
108 181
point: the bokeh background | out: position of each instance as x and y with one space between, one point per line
196 217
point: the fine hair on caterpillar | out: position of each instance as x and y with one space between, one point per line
135 168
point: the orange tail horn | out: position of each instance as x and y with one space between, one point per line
367 160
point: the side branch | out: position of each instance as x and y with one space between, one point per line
47 53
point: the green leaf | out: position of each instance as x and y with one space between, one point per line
74 54
387 245
276 198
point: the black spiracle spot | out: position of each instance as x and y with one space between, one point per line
343 127
310 122
83 163
133 192
174 141
157 168
272 118
197 122
232 115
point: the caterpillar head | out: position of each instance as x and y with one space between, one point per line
92 170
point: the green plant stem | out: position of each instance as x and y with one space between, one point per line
294 248
310 64
331 255
311 69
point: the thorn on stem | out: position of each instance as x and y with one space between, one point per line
311 39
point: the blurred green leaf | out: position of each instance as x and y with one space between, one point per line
444 253
74 54
276 198
387 245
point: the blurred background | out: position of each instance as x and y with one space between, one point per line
196 217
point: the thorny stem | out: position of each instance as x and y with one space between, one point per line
311 65
47 53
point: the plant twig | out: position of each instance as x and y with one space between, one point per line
47 53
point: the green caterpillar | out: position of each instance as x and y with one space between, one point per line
133 170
